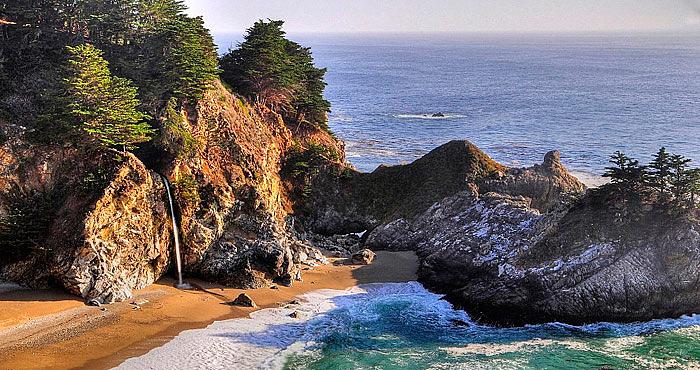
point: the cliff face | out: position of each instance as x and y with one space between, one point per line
99 226
527 246
234 204
98 234
346 201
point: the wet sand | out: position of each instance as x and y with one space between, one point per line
51 329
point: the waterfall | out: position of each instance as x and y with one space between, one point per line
176 236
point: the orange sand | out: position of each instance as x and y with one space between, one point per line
51 329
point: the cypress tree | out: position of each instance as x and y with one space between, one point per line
625 173
660 174
102 106
272 70
679 179
694 187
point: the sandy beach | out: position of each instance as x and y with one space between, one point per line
51 329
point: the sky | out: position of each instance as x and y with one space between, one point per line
451 16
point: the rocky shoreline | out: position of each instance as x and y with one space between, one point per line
256 199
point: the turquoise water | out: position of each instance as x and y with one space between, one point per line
516 97
402 326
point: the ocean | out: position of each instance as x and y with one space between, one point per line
403 326
515 96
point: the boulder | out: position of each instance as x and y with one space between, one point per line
243 300
363 257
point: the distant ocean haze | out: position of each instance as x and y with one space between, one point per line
515 96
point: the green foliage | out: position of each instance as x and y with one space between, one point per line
625 173
101 105
303 164
174 135
272 70
188 189
96 178
193 62
660 171
150 42
668 177
26 224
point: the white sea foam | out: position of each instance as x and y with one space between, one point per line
269 337
264 340
591 180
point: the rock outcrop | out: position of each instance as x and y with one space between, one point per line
97 223
363 257
530 251
345 201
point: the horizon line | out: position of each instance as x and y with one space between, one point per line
674 31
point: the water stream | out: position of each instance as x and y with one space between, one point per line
176 235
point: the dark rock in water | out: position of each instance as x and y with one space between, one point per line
363 257
243 300
295 315
438 115
457 322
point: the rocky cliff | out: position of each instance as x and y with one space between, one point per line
343 200
255 198
528 245
89 222
98 225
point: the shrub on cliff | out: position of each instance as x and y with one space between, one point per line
102 106
272 70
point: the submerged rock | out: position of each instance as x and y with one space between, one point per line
295 315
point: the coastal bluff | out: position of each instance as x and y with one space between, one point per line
97 223
515 246
256 198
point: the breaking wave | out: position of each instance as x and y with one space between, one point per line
403 326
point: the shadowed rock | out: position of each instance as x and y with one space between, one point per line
243 300
363 257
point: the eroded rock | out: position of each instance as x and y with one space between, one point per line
243 300
363 257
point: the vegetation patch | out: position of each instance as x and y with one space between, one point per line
270 69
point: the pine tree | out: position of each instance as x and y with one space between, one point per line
277 72
679 179
626 174
192 63
660 174
258 69
694 187
103 106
